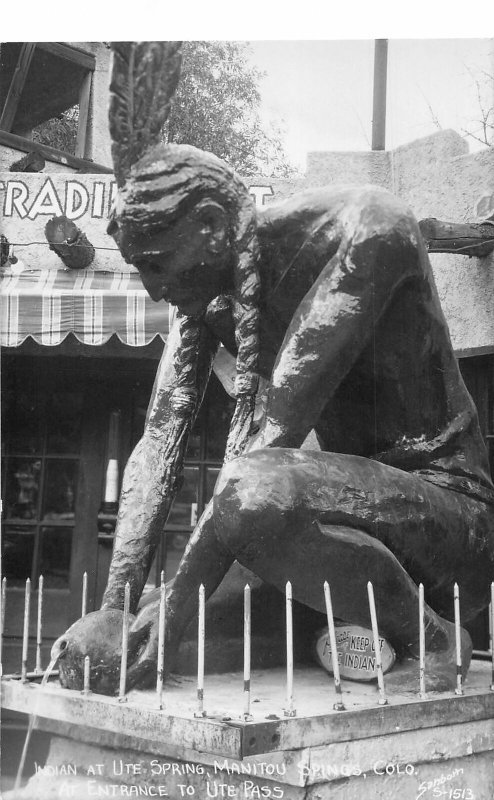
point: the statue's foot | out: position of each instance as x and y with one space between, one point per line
440 666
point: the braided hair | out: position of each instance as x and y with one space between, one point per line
166 184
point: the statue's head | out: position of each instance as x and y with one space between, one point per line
183 220
188 224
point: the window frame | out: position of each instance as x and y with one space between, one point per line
77 56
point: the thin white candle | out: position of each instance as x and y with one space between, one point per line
492 635
2 618
161 645
421 642
4 600
39 625
456 597
289 710
247 647
87 675
125 642
334 650
201 635
25 633
84 595
377 650
111 483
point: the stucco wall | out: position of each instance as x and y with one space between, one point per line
437 177
350 168
27 202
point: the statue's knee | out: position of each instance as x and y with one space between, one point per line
240 484
250 492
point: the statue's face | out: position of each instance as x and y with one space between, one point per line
187 263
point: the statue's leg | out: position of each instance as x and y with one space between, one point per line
312 517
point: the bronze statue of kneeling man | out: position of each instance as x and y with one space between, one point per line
330 297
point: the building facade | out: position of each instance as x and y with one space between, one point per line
80 346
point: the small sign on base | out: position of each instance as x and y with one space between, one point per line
356 656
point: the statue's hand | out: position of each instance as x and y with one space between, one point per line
99 636
143 640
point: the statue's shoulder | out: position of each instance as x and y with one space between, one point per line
329 200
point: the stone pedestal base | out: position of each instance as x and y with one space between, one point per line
441 747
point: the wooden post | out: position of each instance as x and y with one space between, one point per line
84 100
379 99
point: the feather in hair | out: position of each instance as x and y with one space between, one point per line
144 78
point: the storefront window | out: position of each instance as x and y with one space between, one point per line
41 438
18 553
23 476
59 489
54 561
64 423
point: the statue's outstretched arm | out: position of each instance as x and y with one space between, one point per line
380 248
153 473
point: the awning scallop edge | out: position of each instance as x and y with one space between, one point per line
49 304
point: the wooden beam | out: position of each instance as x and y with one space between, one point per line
84 99
69 53
468 238
17 85
51 153
472 352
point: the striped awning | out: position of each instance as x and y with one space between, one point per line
49 304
